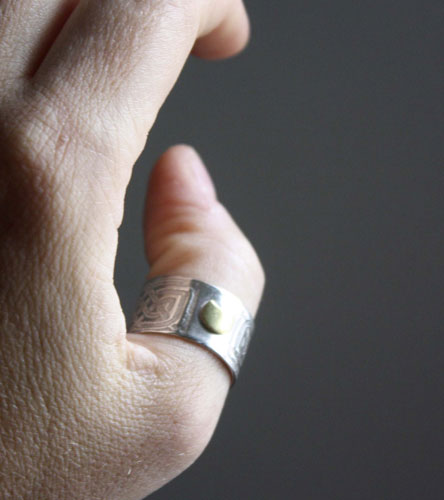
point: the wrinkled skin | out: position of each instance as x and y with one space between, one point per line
87 411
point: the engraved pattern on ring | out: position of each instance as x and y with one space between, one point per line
162 305
171 305
239 345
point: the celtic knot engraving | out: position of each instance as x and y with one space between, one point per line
238 347
173 305
161 305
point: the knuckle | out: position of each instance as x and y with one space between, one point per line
183 11
253 263
29 177
211 244
49 132
46 148
35 139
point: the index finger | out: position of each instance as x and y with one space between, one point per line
120 58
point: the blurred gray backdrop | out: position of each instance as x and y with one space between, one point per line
325 142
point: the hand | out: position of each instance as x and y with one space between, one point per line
87 411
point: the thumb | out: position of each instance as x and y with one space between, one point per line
189 233
178 387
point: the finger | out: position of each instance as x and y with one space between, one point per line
27 29
228 38
189 233
118 60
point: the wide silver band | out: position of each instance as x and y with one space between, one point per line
211 316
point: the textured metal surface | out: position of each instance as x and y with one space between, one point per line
175 306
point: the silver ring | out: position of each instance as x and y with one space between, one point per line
191 309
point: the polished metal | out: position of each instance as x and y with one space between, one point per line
216 320
210 316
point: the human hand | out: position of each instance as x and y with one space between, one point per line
87 411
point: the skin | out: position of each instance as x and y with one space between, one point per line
87 411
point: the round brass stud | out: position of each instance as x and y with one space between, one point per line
214 319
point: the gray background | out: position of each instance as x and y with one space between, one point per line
324 139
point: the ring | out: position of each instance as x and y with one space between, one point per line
196 311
